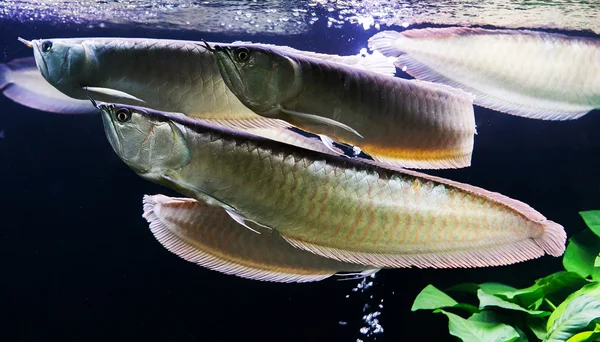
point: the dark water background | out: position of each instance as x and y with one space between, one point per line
80 264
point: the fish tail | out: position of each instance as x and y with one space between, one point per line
553 239
5 76
387 43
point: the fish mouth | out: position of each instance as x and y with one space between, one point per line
109 129
227 64
39 59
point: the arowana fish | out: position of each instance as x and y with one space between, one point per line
409 123
527 73
332 206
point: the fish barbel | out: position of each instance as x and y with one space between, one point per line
208 236
335 207
168 75
521 72
402 122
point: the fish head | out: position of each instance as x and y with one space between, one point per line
148 144
63 63
260 78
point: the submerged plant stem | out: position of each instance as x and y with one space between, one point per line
552 306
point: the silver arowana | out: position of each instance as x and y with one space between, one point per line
527 73
410 123
331 206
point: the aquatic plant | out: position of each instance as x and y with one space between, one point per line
507 314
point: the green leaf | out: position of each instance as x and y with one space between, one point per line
487 316
490 288
522 335
580 312
592 289
597 261
543 287
586 336
581 253
592 220
430 298
487 300
537 326
475 331
583 337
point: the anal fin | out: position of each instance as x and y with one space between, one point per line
207 236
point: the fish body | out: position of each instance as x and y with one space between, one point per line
402 122
208 236
527 73
331 206
21 82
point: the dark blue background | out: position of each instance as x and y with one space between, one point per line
80 264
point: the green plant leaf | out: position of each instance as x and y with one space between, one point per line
581 253
430 298
543 287
475 331
586 336
487 300
592 289
597 261
490 288
537 326
578 314
592 220
522 335
487 316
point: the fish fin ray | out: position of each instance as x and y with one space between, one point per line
240 219
311 119
113 93
386 42
202 193
453 162
495 255
217 246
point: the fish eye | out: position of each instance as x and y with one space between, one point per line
123 115
46 46
242 54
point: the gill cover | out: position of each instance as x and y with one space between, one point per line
64 63
146 144
260 79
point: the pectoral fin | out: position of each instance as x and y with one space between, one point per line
201 194
207 236
308 120
113 93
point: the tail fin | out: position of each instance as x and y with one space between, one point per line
5 76
553 239
387 43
